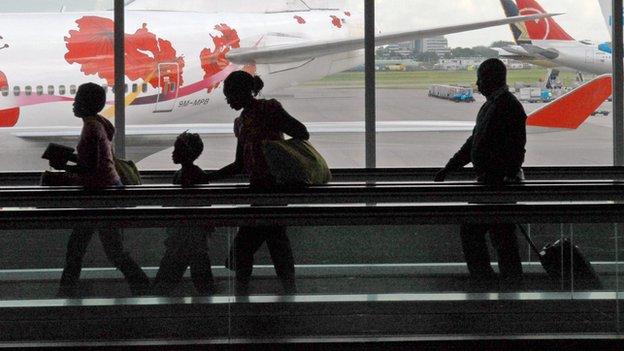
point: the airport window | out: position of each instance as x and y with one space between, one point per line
144 87
39 90
173 87
50 89
28 90
16 90
72 89
61 90
135 88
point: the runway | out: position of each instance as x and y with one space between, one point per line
591 144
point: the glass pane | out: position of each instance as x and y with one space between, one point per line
44 52
425 88
375 280
188 94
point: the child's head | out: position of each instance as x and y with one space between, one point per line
187 148
89 101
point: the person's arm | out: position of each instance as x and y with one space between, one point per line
457 162
288 124
516 136
87 160
73 157
230 170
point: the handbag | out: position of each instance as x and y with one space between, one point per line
128 171
295 162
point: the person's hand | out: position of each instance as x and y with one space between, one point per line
57 164
441 175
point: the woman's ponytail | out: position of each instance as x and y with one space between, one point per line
258 84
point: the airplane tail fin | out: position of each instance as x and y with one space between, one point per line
519 30
543 29
572 109
607 13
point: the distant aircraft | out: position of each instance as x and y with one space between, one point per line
177 56
546 43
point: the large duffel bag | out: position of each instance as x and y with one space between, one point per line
295 162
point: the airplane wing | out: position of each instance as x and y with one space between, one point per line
304 51
510 53
535 50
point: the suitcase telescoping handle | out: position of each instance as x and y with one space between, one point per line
528 239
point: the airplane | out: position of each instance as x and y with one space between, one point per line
607 13
546 43
177 56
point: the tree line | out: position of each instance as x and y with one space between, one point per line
432 58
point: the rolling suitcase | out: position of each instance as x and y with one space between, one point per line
565 264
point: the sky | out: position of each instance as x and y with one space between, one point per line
582 19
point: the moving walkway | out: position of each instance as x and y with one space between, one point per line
401 305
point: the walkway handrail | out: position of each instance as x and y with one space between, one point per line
334 193
377 174
305 215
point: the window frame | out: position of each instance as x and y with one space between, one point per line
370 84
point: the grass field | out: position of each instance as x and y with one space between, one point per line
423 79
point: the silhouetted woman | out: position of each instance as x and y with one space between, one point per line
259 121
96 169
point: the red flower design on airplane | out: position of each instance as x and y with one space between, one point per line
8 117
140 65
337 22
347 13
92 47
214 61
300 19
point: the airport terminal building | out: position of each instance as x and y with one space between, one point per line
337 237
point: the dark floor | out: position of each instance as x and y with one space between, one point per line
343 285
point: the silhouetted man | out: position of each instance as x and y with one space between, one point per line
496 150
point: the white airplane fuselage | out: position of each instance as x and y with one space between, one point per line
575 55
41 50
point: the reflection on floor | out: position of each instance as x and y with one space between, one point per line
344 285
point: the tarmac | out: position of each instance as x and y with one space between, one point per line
590 144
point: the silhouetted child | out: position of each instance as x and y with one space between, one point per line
186 245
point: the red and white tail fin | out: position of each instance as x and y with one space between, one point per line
543 29
572 109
